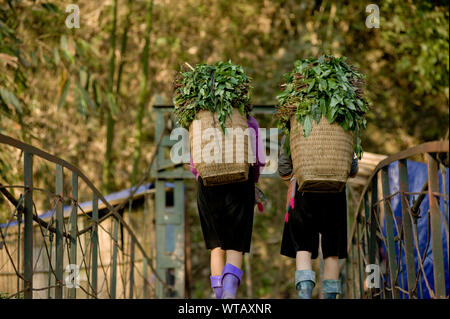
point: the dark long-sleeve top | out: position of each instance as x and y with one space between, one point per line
285 163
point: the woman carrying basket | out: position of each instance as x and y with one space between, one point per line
226 190
323 111
226 217
307 215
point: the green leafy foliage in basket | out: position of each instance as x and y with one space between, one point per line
217 88
325 86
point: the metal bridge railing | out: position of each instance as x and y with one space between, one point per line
380 237
64 242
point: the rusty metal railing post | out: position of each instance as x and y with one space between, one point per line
347 277
373 245
114 259
354 268
373 223
436 233
389 220
28 226
19 230
360 262
59 231
73 228
50 261
94 242
407 227
115 232
366 227
131 268
145 278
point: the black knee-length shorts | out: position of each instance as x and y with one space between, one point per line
226 214
314 213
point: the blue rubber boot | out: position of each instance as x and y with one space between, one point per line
231 279
331 288
216 285
305 280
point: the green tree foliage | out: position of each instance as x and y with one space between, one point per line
414 80
55 90
144 91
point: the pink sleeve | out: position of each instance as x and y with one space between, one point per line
258 147
193 169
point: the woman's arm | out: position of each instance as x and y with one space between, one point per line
257 147
355 167
284 164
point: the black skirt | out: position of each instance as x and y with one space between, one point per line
226 214
314 213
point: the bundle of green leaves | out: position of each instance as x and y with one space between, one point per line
325 86
217 88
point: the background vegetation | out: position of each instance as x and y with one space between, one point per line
86 94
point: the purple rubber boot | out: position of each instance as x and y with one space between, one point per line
216 285
231 279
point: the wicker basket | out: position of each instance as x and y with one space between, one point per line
322 161
227 168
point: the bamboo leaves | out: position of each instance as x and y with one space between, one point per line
97 93
64 91
85 96
218 88
322 85
327 87
56 55
316 113
10 100
111 99
307 125
65 49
